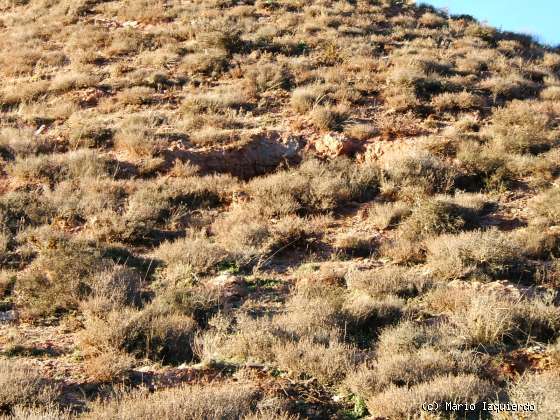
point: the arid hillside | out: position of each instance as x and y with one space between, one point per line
275 209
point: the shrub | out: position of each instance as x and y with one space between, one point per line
437 216
22 143
486 322
211 62
551 93
211 136
546 206
521 128
539 388
418 170
267 76
389 280
109 366
327 363
38 169
457 101
313 187
151 204
364 315
20 385
244 232
484 167
19 92
354 243
307 97
409 369
156 333
327 118
136 135
198 254
5 239
225 401
7 282
54 168
137 95
386 215
361 132
490 317
23 208
86 131
552 60
218 101
60 276
112 289
64 82
431 20
489 254
400 402
77 201
512 86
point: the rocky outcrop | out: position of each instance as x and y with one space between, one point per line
258 154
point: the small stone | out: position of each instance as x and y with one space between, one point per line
130 24
336 144
230 287
8 316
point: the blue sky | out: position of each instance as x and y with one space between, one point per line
540 18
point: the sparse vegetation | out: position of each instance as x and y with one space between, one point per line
274 209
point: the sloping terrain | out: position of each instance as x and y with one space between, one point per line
221 209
